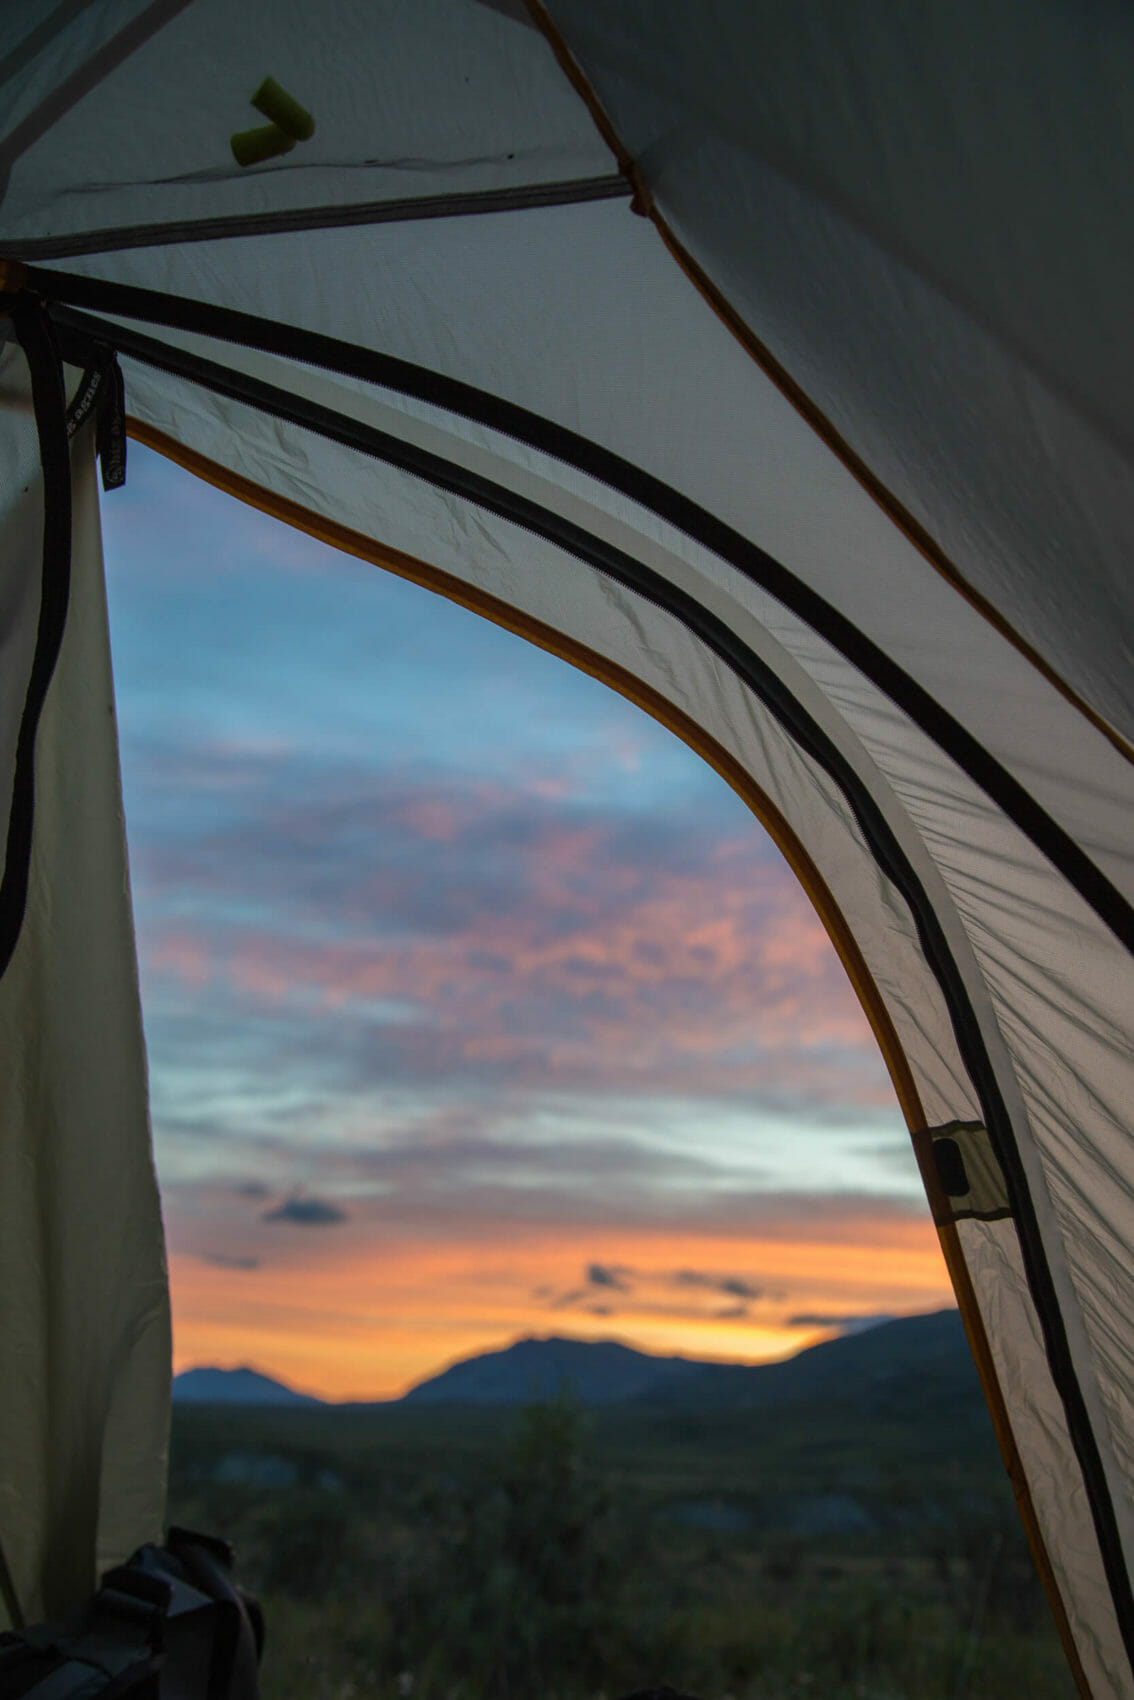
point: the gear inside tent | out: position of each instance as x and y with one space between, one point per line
770 363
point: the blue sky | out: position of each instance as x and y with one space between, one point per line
462 980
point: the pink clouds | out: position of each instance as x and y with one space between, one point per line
435 818
462 980
583 950
183 957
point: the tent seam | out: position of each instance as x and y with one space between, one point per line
84 78
574 191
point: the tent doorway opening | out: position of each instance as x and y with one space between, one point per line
481 1011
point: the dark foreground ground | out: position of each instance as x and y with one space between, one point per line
451 1553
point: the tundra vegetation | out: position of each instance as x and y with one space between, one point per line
551 1553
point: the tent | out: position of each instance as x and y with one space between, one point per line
771 363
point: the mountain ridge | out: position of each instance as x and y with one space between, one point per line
599 1372
922 1358
206 1385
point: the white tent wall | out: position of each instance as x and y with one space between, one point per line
85 1311
878 330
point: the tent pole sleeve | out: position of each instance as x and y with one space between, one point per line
464 204
293 343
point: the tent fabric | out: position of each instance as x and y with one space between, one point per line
396 120
869 342
950 187
85 1310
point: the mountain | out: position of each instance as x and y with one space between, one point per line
234 1387
596 1372
923 1359
914 1362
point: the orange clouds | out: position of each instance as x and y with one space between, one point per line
363 1313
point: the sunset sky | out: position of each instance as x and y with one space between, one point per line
477 1006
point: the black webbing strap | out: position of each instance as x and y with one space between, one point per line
103 393
37 339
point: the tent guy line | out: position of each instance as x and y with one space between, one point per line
804 731
754 563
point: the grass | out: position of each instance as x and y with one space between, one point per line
479 1554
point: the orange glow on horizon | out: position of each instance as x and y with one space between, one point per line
359 1319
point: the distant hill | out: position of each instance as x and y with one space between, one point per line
915 1365
919 1362
920 1359
596 1372
234 1387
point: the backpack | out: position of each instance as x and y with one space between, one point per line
169 1624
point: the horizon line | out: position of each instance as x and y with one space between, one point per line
827 1334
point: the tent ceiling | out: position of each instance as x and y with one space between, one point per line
925 217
